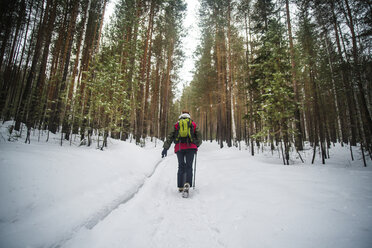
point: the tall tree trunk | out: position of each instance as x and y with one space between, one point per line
298 135
319 121
148 70
220 90
229 83
167 88
155 99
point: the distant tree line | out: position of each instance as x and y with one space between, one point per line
61 70
267 72
284 72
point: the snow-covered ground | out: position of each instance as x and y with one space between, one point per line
126 196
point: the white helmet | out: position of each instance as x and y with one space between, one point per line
184 115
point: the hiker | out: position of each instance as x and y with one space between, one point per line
187 139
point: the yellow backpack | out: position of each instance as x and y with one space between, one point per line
185 129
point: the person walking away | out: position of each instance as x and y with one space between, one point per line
187 139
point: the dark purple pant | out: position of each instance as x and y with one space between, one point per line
185 159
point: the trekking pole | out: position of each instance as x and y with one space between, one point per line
196 154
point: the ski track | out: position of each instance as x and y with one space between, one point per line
168 218
106 211
102 215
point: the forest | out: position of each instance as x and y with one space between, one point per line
268 73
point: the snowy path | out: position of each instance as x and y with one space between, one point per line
156 217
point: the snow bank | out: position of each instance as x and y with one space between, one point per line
48 191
